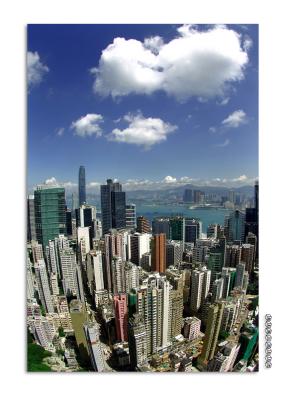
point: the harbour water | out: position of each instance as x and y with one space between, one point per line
206 215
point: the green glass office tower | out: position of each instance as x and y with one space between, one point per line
177 228
50 217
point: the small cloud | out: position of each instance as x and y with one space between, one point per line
235 119
116 121
224 101
212 129
60 131
51 181
224 144
247 44
142 131
91 185
88 125
169 179
35 69
241 178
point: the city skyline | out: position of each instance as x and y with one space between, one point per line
122 279
212 125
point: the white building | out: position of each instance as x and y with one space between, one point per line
95 347
138 244
192 326
43 285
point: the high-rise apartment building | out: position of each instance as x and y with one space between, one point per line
113 204
143 225
31 227
50 215
94 267
193 230
43 286
81 186
161 225
137 341
69 272
174 252
158 246
130 210
248 256
214 319
85 215
121 316
138 244
113 246
192 326
92 334
37 251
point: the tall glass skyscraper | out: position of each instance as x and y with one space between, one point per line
81 186
113 204
50 214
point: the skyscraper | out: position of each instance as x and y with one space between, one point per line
85 214
236 224
212 331
138 244
81 186
120 307
188 196
193 230
158 246
43 286
161 225
137 341
92 333
31 228
130 216
113 205
177 228
143 225
113 246
50 215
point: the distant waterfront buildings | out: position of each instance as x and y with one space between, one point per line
188 196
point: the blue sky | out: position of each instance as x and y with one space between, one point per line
165 104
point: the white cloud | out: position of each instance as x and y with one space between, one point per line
212 129
247 44
51 181
88 125
224 144
169 179
196 63
223 101
235 119
241 178
142 131
35 69
60 131
91 185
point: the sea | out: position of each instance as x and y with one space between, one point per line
206 215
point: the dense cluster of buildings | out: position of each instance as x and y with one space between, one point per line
113 291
